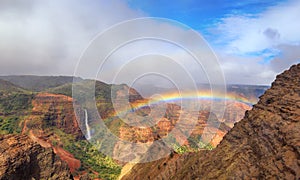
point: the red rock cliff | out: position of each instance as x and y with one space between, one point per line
54 110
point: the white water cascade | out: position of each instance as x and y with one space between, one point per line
88 131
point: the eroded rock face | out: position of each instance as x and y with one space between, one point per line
21 158
55 110
265 144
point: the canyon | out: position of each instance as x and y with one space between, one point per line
265 144
47 117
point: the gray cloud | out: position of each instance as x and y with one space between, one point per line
19 6
272 34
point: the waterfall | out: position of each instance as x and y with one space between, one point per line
88 131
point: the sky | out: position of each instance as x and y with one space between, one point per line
253 40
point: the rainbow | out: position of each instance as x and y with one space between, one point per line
207 95
200 95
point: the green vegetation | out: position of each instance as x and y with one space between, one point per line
184 149
15 102
65 89
114 124
14 106
10 125
102 90
195 144
92 160
7 87
181 149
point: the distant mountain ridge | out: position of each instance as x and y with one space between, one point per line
244 90
38 83
9 87
64 84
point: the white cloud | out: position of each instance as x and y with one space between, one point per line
277 25
257 47
246 70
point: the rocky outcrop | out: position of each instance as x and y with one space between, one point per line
21 158
265 144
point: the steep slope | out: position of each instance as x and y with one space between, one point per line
265 144
21 158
